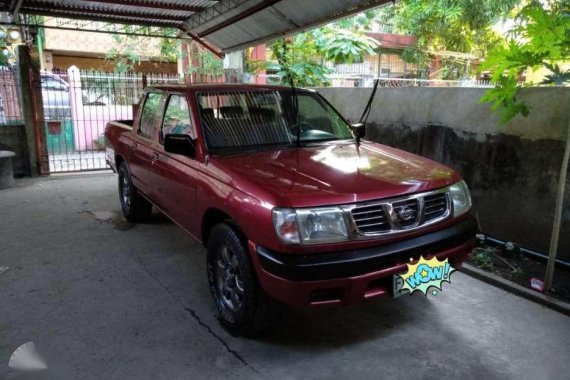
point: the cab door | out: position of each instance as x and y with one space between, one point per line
175 176
141 150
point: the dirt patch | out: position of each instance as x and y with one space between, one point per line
115 218
508 262
119 223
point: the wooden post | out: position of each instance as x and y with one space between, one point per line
32 111
550 266
379 62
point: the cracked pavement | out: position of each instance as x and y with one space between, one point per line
103 299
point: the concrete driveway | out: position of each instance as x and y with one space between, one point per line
103 299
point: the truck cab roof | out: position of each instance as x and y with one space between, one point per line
219 87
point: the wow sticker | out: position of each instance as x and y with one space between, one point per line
426 274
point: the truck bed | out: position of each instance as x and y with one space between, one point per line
126 124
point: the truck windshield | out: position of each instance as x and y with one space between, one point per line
244 121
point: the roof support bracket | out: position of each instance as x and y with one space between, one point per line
214 51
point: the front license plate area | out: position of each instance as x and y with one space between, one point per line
397 286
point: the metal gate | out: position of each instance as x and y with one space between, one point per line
77 105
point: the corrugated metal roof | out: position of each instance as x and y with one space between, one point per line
227 24
275 19
169 13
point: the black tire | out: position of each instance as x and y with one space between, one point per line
251 313
135 207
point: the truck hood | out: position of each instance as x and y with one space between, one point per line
334 173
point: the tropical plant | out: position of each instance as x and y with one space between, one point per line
539 39
298 60
343 45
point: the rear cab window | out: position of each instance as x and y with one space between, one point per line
177 119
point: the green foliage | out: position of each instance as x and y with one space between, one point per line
482 258
344 46
456 25
558 76
378 18
209 64
504 99
131 50
540 38
4 61
301 59
8 59
298 61
463 26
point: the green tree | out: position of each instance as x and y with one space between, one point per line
298 61
463 26
377 18
209 64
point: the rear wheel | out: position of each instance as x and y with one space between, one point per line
135 207
243 308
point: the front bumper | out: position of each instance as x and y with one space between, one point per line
354 276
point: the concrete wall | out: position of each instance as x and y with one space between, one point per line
13 138
512 170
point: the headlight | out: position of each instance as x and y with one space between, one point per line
319 225
461 198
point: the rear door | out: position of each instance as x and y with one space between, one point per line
142 151
175 176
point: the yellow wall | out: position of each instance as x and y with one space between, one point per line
391 61
86 63
540 74
87 50
93 43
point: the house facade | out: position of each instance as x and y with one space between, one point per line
88 50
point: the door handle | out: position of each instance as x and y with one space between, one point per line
154 157
134 146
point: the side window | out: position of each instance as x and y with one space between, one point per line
149 114
177 119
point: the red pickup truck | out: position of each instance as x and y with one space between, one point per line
291 205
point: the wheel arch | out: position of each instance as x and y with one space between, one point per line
214 216
119 159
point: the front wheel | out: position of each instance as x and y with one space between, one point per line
135 207
243 308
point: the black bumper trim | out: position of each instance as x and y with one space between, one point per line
326 266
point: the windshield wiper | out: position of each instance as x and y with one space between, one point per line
295 105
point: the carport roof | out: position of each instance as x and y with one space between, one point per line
227 24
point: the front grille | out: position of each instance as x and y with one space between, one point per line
370 219
403 214
435 205
406 212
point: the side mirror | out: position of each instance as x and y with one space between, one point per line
359 130
180 144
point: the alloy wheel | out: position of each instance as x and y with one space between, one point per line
126 191
229 280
